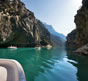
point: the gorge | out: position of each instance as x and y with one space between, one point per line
19 27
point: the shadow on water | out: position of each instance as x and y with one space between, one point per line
82 65
48 65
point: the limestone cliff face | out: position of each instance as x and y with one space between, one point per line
79 36
19 27
44 34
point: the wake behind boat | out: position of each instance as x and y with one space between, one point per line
12 47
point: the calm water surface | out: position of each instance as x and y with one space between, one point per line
56 64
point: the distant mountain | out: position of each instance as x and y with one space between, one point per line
53 32
59 39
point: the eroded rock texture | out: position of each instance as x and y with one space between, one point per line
79 37
19 27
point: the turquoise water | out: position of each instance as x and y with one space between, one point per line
56 64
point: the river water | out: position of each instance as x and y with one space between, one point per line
56 64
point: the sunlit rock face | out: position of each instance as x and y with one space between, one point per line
80 37
19 27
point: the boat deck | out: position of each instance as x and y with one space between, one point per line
11 70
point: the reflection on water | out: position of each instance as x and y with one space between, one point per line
49 65
82 65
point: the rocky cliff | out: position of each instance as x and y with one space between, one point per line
79 37
19 27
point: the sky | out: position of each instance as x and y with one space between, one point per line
58 13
